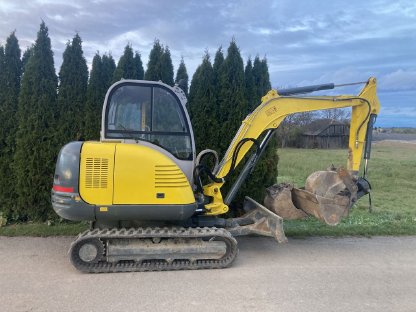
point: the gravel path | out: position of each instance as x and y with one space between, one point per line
314 274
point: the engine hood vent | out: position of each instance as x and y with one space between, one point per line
96 173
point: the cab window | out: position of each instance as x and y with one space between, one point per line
150 113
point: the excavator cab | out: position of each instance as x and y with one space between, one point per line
154 115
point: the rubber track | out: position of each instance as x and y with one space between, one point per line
154 265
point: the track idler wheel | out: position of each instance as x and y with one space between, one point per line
88 251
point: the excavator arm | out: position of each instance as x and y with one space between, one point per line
268 116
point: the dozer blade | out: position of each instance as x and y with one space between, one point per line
257 220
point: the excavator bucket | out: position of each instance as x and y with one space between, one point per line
279 200
328 210
327 195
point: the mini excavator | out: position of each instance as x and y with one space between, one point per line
140 186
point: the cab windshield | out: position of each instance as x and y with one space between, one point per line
150 113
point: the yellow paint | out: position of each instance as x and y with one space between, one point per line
216 206
96 187
274 109
141 172
135 175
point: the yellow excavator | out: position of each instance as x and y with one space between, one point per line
141 185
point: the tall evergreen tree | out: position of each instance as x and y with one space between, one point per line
218 62
4 208
166 67
232 102
201 108
101 77
2 74
108 68
26 55
95 92
36 146
1 57
217 68
250 90
182 77
73 81
10 72
261 77
266 77
138 64
126 66
265 172
154 72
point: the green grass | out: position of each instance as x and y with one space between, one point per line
392 173
43 229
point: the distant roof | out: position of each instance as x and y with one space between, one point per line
319 125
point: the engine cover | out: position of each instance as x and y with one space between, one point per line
119 181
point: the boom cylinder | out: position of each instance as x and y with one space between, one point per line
306 89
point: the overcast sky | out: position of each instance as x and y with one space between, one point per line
305 41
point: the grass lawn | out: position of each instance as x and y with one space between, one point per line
392 173
43 229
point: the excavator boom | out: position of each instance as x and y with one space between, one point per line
269 115
274 108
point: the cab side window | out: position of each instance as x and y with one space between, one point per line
166 115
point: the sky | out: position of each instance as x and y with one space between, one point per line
305 41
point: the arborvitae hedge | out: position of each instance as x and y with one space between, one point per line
232 101
201 109
138 64
160 65
166 67
237 92
107 71
182 77
26 55
126 66
265 172
38 117
95 91
250 90
36 145
153 71
3 137
72 92
10 74
101 77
